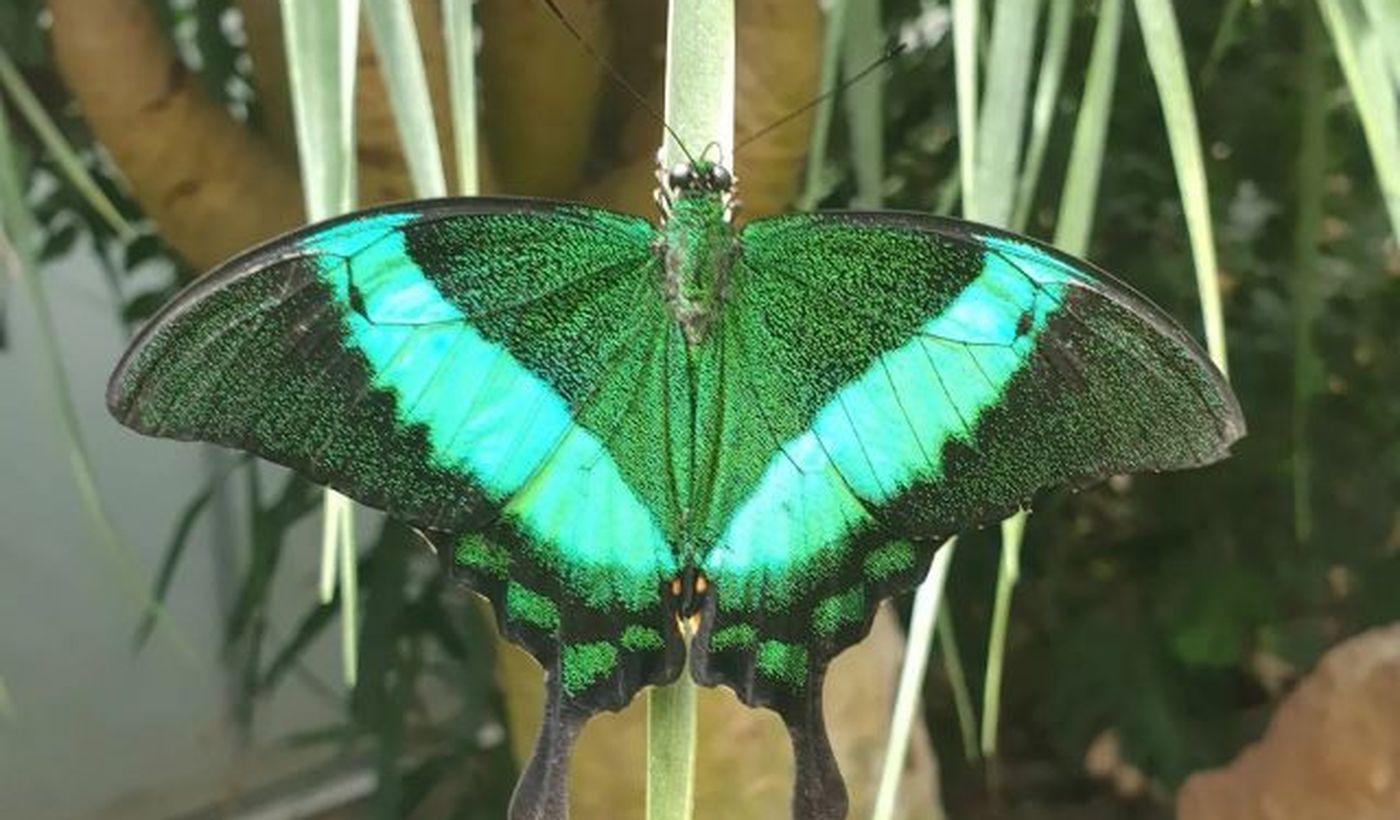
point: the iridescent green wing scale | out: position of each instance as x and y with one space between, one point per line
887 381
489 371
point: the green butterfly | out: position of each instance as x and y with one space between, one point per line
620 432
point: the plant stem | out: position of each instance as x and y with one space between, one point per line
927 604
700 112
321 68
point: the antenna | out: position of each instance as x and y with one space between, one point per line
617 76
890 53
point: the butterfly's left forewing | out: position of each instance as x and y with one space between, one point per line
492 371
901 378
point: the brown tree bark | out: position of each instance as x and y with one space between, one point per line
211 187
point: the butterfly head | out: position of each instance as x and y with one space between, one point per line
701 177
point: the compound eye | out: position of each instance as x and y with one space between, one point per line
679 177
720 178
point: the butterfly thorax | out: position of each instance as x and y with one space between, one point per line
697 248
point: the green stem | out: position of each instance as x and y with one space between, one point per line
1012 530
321 68
927 603
700 112
957 680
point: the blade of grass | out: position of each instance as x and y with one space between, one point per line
957 681
175 549
1047 94
813 186
998 151
700 110
67 160
460 33
1361 51
1012 533
967 16
321 68
1081 187
1385 20
1077 203
927 602
865 102
19 244
1002 119
406 82
1162 39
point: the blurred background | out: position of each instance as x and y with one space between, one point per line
1221 643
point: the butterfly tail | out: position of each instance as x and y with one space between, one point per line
819 791
543 790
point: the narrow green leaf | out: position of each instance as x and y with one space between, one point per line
7 703
814 186
1002 119
1047 94
67 160
1361 49
1385 21
957 681
1162 38
175 549
999 139
1012 534
967 16
406 83
865 102
927 603
320 46
460 34
1081 188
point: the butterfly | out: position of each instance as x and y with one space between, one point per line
644 441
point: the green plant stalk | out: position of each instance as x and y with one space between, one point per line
832 36
1012 534
998 150
62 153
1003 114
460 33
699 108
1361 50
321 68
1385 21
865 102
401 61
927 603
1077 202
19 243
1307 237
1081 187
1047 94
967 15
1162 38
957 680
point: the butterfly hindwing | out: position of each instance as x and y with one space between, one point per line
489 371
909 377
